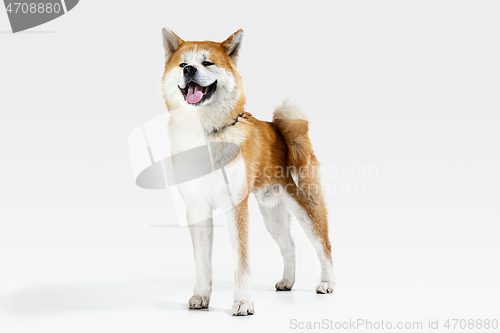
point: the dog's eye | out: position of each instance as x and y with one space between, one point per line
182 65
207 63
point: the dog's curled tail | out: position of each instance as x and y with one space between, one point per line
293 125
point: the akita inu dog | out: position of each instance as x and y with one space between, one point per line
274 160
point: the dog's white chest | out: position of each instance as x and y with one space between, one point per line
205 186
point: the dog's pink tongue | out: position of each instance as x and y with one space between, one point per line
194 94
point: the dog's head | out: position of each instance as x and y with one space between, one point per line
202 75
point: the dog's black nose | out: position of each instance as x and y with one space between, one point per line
189 70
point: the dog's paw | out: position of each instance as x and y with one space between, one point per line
325 287
242 308
198 302
284 285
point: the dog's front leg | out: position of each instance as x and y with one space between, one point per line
201 234
237 220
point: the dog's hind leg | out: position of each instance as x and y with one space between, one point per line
277 220
306 201
313 220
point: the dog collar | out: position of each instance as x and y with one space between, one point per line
215 130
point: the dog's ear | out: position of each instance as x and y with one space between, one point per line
232 45
171 42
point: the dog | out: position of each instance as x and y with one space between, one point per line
274 160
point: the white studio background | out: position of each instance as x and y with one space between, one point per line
408 88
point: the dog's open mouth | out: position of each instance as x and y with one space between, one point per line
196 94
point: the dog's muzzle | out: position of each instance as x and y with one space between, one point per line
196 94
